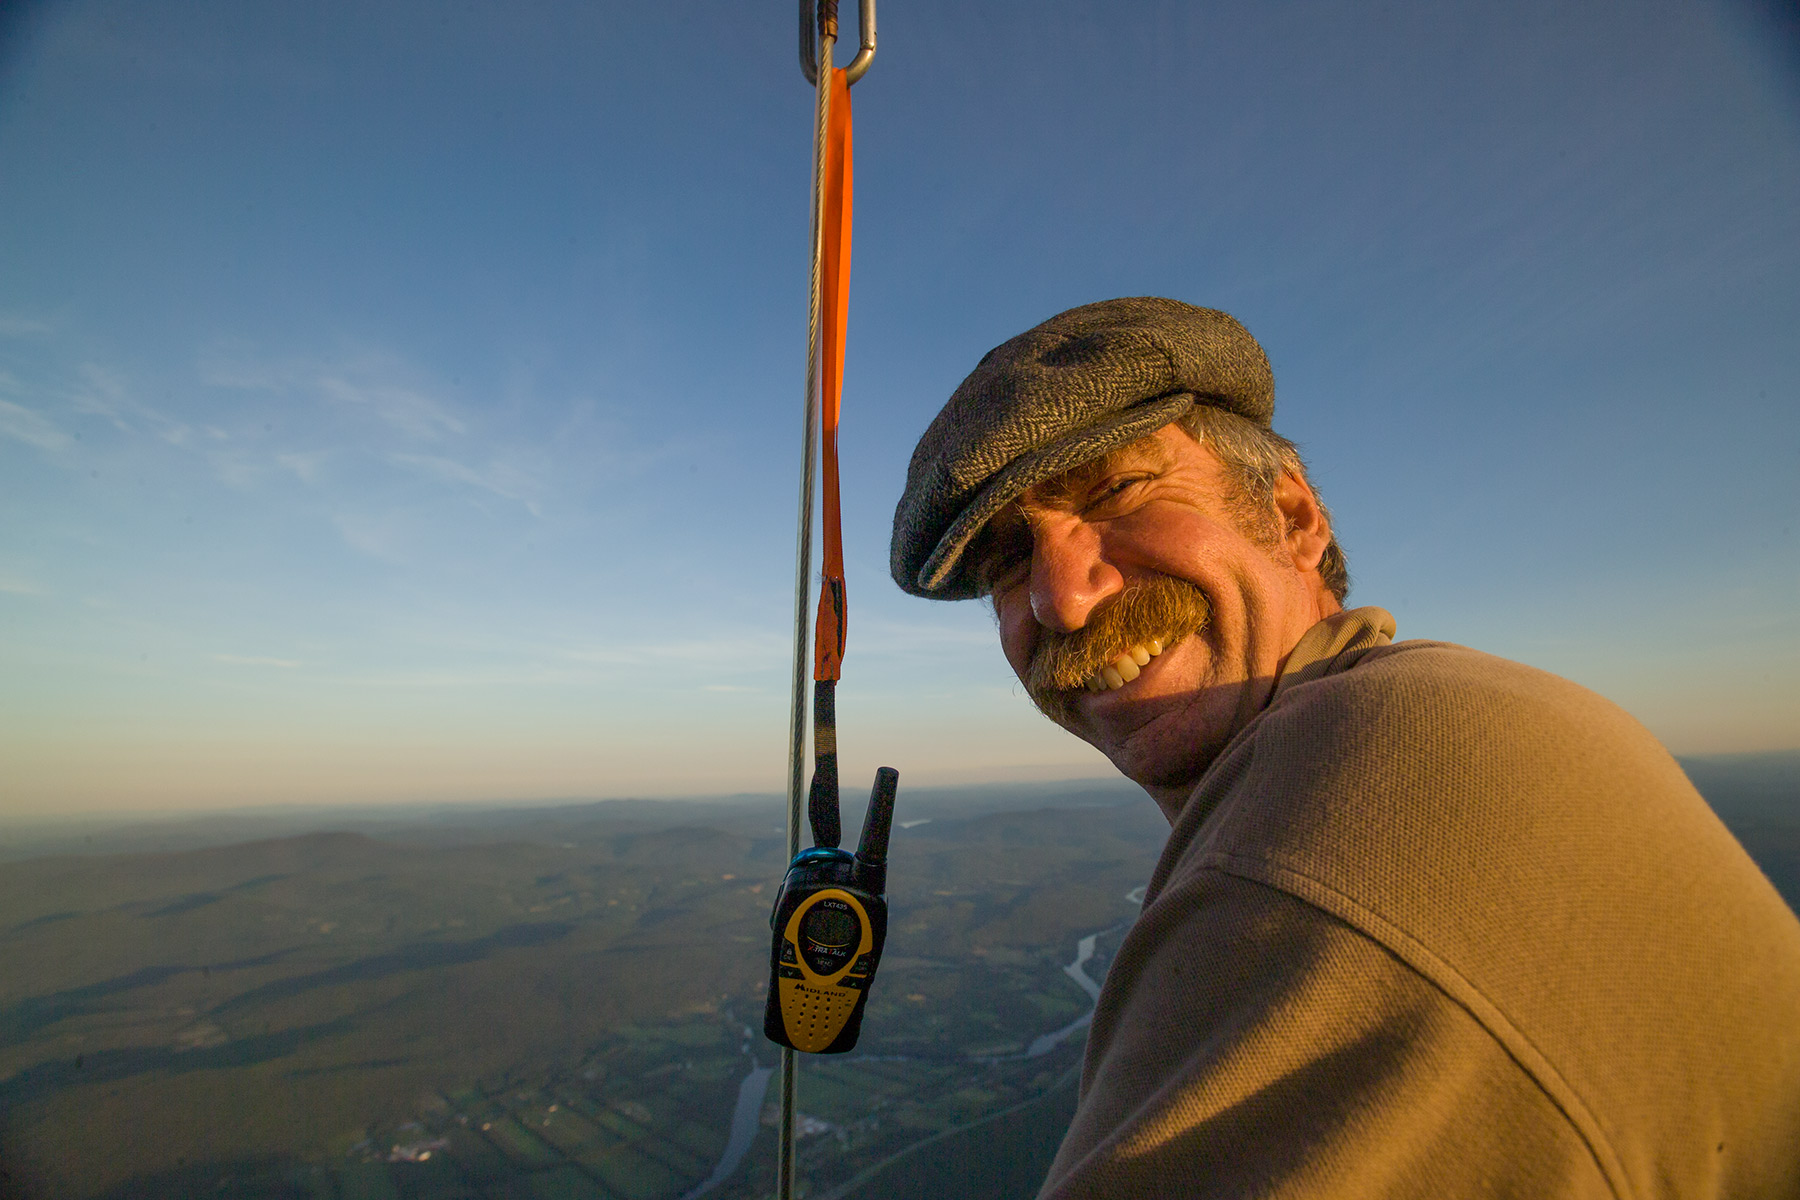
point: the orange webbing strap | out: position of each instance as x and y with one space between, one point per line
834 272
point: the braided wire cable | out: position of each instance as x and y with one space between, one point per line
784 1162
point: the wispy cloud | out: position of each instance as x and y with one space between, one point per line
375 437
378 537
237 468
34 429
375 384
306 466
252 660
406 409
19 587
245 375
22 327
378 384
499 479
104 392
101 393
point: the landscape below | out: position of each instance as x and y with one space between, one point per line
567 1001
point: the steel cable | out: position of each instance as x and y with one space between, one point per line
784 1164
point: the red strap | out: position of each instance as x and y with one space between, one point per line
834 270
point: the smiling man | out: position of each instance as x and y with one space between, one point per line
1428 923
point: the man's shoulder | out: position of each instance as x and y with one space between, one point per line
1483 819
1446 716
1443 681
1453 793
1422 743
1535 854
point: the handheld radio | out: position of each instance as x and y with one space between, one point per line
830 921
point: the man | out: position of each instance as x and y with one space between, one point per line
1428 923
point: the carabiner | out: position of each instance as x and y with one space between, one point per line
819 15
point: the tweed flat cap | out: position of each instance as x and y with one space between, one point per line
1086 381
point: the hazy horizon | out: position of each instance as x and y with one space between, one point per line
1783 766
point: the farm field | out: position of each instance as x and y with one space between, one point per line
563 1001
567 1002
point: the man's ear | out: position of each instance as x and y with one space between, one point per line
1307 528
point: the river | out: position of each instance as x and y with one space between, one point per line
1077 970
746 1117
744 1121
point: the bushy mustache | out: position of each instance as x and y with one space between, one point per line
1163 607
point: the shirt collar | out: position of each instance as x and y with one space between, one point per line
1335 644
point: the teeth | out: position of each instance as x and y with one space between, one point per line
1125 668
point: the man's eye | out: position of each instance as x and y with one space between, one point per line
1112 489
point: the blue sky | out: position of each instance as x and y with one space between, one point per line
402 401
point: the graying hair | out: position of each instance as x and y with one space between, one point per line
1257 458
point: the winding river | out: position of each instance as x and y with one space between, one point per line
744 1120
746 1117
1077 970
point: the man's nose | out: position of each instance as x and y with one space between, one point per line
1070 578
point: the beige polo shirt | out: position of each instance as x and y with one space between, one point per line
1437 925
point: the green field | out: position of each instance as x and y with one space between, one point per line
546 1003
562 1002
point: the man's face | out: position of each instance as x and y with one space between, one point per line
1150 555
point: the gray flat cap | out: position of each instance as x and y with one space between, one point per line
1086 381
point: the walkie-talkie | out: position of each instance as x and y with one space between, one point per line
830 921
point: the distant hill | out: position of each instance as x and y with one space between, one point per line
1756 795
23 837
553 1001
1758 798
1749 786
564 999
